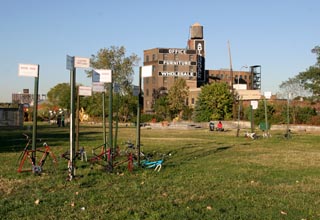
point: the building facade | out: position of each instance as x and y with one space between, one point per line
168 64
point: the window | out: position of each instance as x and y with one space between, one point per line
175 68
165 67
190 57
191 69
176 57
153 57
192 101
147 92
165 56
147 58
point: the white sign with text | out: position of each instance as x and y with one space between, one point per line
30 70
85 91
81 62
102 75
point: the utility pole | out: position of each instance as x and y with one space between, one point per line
231 83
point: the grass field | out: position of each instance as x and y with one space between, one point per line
209 175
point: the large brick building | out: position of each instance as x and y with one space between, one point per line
189 63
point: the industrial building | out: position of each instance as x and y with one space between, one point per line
189 63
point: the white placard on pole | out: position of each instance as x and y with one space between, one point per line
146 71
85 91
102 75
254 104
81 62
267 95
30 70
98 87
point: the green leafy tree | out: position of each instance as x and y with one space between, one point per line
259 113
177 96
161 103
161 107
214 103
115 58
59 95
92 104
310 78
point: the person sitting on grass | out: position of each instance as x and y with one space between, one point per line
219 126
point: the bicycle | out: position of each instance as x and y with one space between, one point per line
81 154
28 154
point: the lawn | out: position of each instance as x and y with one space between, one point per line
206 175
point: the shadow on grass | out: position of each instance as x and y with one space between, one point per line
15 141
219 149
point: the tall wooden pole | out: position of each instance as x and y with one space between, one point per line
231 83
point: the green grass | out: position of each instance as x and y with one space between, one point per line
209 175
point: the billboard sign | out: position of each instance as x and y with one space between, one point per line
200 60
30 70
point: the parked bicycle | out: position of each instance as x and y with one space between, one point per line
27 155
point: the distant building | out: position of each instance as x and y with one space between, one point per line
11 115
26 98
168 64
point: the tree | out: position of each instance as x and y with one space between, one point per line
316 50
310 78
177 96
214 103
115 59
59 95
161 107
294 87
259 113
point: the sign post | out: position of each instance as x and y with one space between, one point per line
99 78
116 89
267 95
110 126
71 64
145 71
32 70
253 105
82 91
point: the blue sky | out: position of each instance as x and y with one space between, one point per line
278 35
